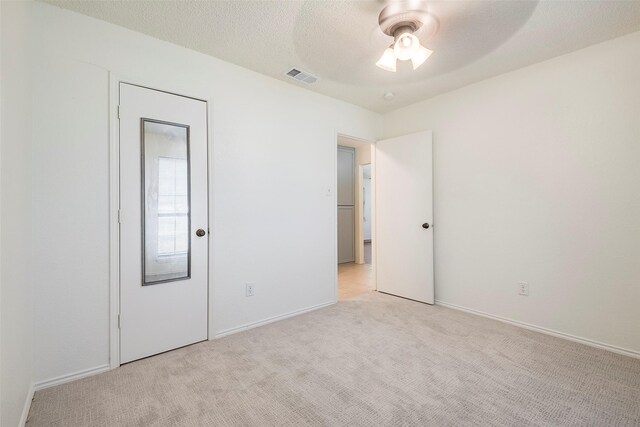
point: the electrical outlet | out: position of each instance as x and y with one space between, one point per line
523 288
250 291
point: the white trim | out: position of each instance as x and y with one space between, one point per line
210 206
114 224
273 319
585 341
41 385
359 212
333 193
27 406
374 226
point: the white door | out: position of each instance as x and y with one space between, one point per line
404 216
163 215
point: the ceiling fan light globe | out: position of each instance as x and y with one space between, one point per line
387 61
406 46
418 58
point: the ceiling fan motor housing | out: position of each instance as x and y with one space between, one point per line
409 13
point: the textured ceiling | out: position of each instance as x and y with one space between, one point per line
339 41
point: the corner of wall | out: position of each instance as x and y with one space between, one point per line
16 294
27 406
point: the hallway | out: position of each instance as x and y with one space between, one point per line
356 279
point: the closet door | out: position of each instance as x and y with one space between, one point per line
346 234
346 176
346 205
163 222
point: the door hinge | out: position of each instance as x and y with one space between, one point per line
119 324
119 216
118 112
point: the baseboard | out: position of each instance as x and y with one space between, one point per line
72 377
106 367
270 320
585 341
27 406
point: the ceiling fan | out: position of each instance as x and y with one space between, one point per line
402 20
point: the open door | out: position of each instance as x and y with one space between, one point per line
404 216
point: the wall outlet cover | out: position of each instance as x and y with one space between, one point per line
250 289
523 288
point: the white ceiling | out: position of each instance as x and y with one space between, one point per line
339 41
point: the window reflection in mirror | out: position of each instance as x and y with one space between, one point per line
166 217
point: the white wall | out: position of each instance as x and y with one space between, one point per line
16 297
70 217
273 174
537 179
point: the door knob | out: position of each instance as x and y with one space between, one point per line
200 232
425 225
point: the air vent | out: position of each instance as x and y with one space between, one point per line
301 76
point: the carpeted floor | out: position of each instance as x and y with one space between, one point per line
372 361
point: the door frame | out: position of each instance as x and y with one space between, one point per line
359 219
114 207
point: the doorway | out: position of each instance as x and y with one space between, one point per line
401 217
163 219
355 217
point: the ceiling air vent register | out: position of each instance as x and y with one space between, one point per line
301 76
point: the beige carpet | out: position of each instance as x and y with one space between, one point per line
378 360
